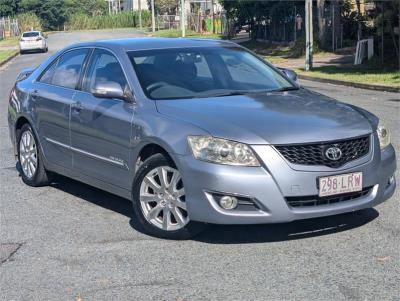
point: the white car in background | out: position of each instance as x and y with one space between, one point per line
32 40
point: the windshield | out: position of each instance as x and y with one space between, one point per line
30 34
204 72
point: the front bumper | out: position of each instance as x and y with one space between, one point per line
270 184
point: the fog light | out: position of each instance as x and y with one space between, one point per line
228 202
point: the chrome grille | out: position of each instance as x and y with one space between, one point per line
314 153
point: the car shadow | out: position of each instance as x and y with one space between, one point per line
93 195
234 234
228 234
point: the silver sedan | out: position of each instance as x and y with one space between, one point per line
196 132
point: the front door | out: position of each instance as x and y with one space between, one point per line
100 127
53 95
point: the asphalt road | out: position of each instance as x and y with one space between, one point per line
70 240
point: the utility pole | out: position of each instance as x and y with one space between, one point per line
153 18
333 26
183 18
295 23
140 13
309 35
383 23
212 16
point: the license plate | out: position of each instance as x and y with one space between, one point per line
340 184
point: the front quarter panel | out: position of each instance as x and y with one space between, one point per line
169 133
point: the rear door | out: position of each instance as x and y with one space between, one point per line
101 128
52 95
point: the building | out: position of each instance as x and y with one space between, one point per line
134 4
115 6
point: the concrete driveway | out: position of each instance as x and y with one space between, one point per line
70 240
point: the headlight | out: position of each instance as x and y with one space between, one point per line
222 151
383 135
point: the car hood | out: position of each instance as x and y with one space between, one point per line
277 118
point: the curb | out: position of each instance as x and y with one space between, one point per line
349 84
9 59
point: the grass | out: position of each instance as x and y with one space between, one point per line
268 49
6 54
9 42
173 33
275 59
364 74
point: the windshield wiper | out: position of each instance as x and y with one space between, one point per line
233 93
283 89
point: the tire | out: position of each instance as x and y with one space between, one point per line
21 52
152 201
30 159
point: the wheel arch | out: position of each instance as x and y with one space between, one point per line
20 121
150 148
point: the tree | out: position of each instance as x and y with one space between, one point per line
321 22
53 13
87 7
9 7
166 6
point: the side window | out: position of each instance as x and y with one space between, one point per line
104 67
66 70
47 76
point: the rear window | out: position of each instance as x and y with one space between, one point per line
30 34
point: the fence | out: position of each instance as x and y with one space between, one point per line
8 28
196 22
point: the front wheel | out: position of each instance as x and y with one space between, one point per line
159 200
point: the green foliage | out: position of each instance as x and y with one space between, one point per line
87 7
169 7
173 33
299 47
29 21
8 7
53 13
123 19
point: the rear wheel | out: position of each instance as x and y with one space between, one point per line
30 160
159 200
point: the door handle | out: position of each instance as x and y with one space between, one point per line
77 106
34 94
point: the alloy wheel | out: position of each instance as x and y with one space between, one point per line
28 155
162 199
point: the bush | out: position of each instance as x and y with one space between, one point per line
29 21
123 19
299 48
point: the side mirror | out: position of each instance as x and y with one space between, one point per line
289 73
111 90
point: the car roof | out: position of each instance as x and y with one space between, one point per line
32 31
131 44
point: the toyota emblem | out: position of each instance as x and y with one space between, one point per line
333 153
